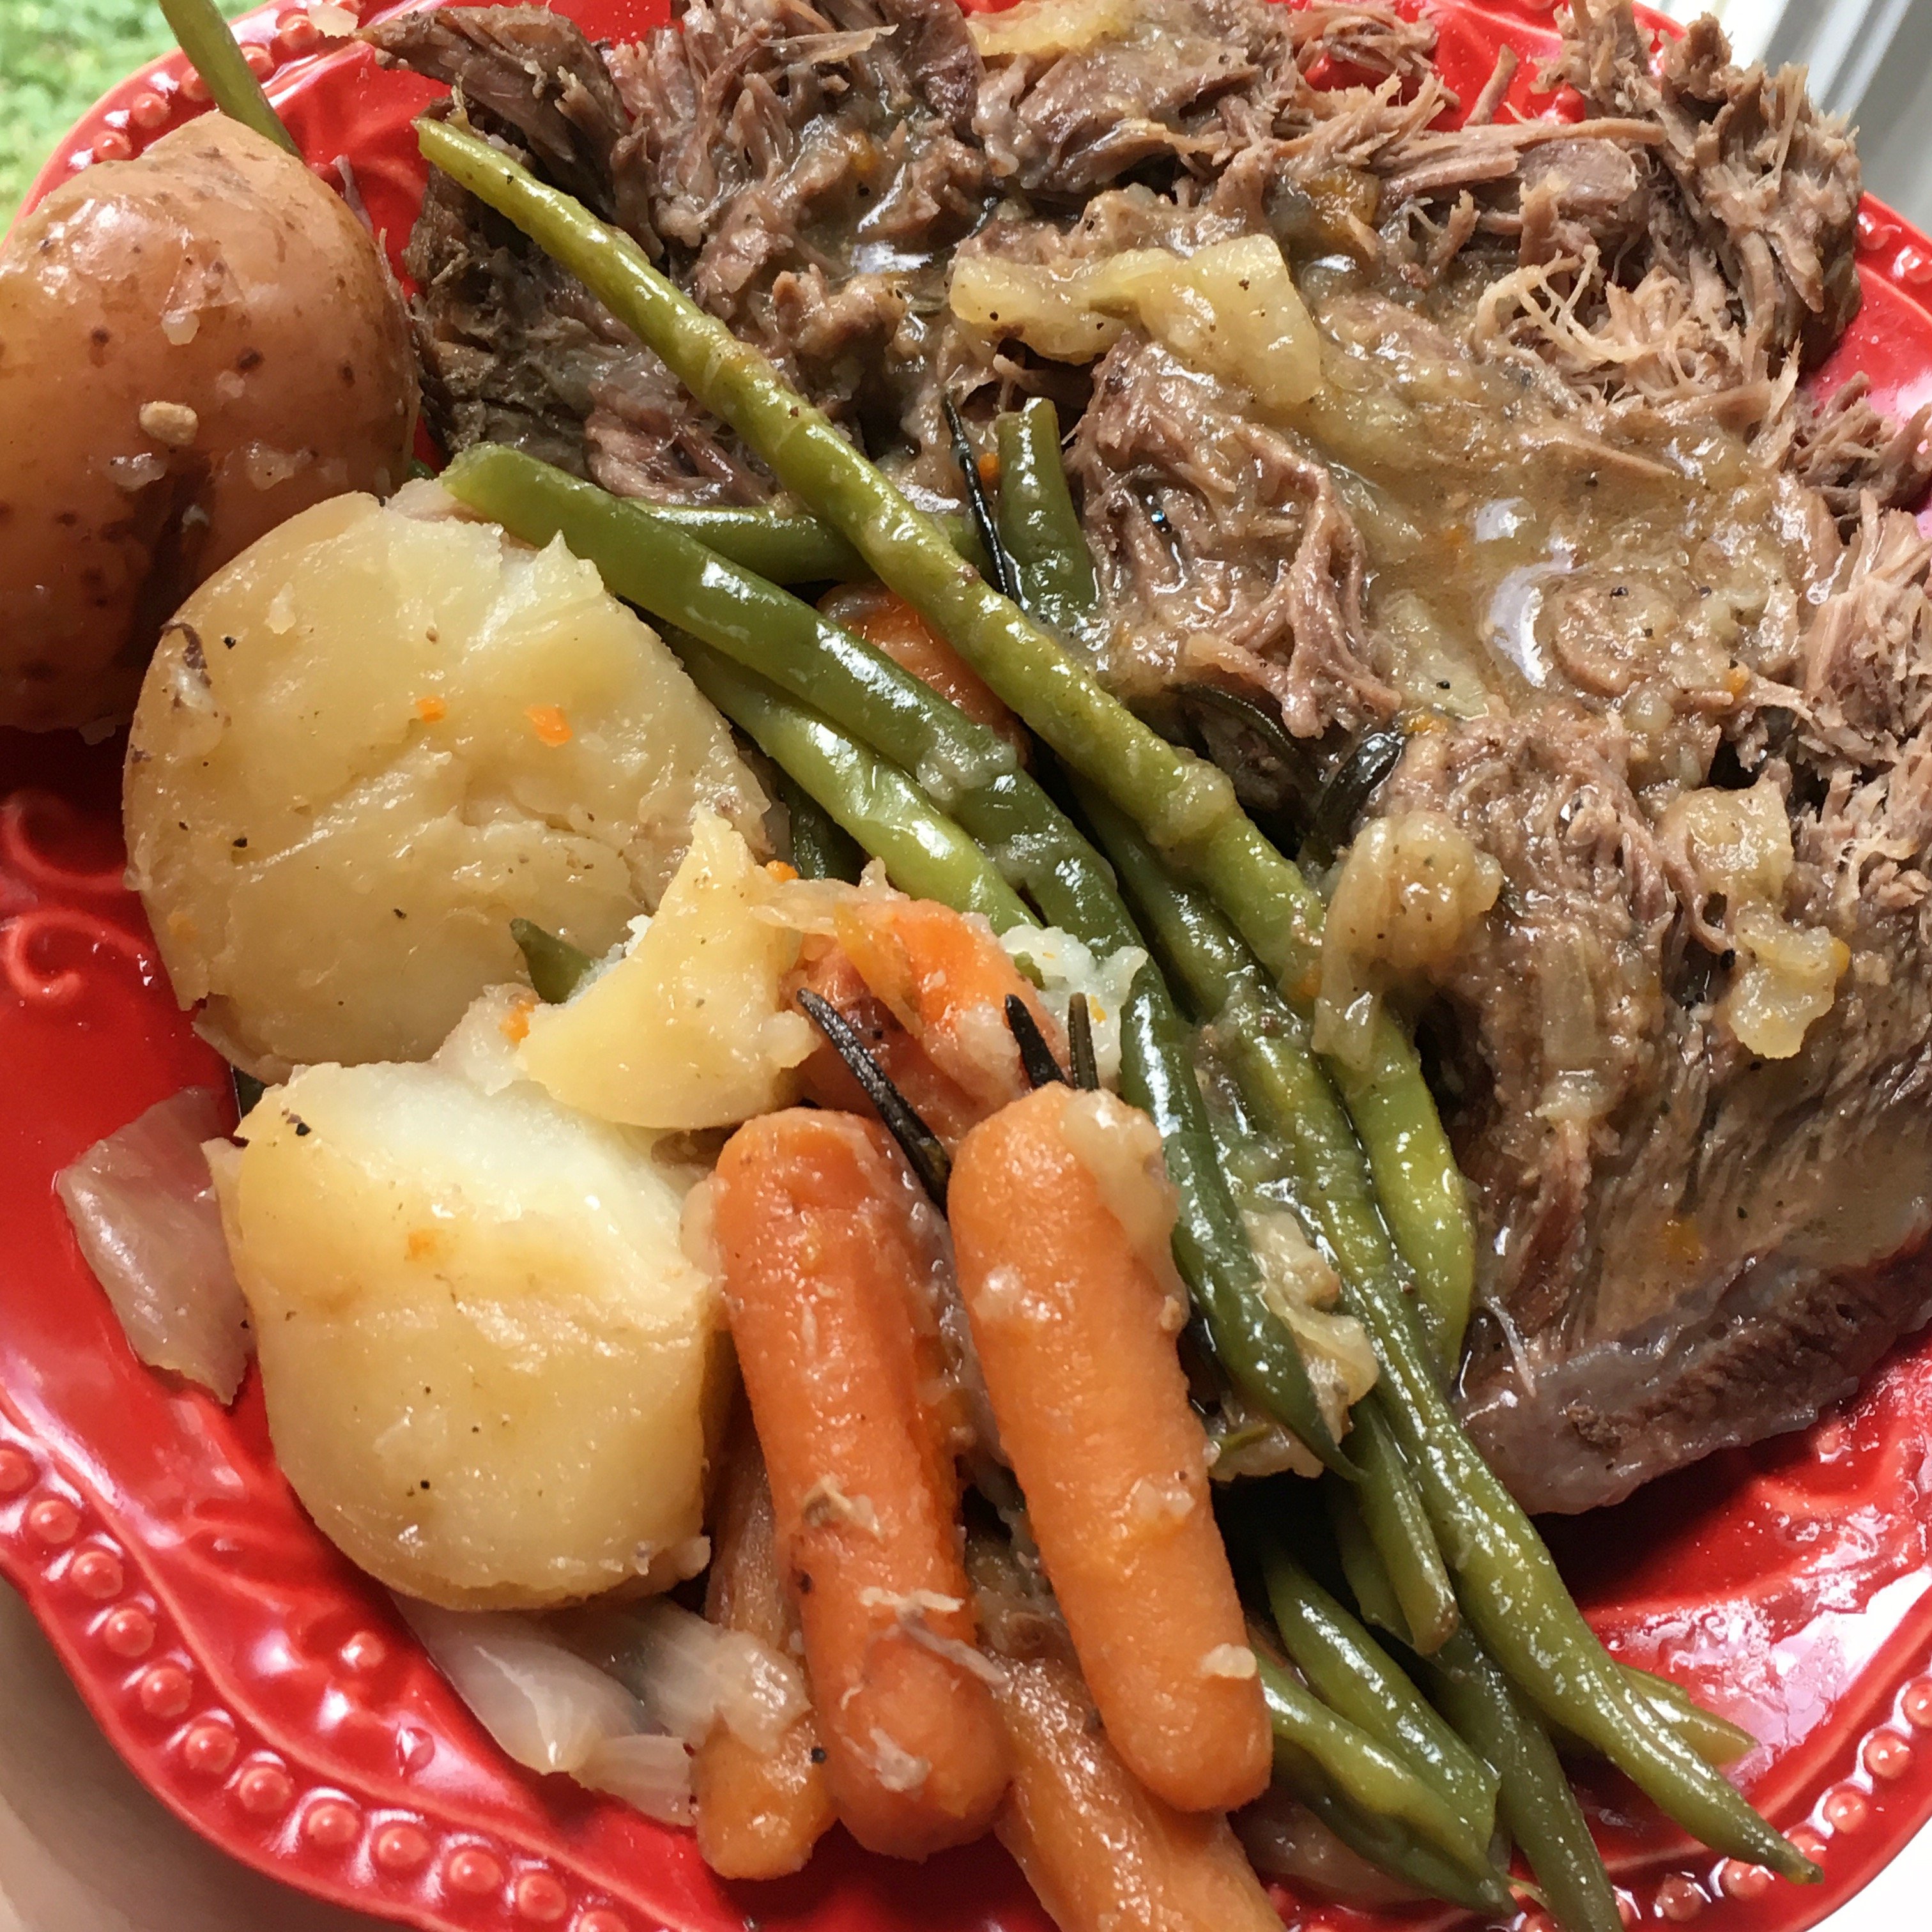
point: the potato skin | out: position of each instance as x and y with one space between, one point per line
371 742
217 278
492 1376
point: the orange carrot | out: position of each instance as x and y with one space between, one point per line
1101 1850
946 980
759 1813
819 1234
1075 1319
826 968
890 624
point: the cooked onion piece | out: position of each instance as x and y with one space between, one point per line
553 1711
199 344
691 1028
492 1375
1232 310
1409 890
143 1207
371 741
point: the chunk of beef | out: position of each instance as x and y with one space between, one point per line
1685 1245
1222 547
1847 449
531 73
514 351
1763 183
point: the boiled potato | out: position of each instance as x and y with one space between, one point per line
492 1376
690 1028
376 737
194 346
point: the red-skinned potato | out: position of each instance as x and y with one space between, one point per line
193 346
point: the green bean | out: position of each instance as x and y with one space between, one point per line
1398 1525
820 848
1210 1245
1039 526
924 853
1185 805
1350 1671
1715 1739
556 967
973 771
1266 1043
1535 1800
1362 1564
215 54
783 546
1511 1591
1388 1845
1367 1773
1509 1585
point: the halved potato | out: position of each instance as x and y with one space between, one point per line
376 737
492 1376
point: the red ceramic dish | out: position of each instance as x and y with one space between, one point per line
266 1691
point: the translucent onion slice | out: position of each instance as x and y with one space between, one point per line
689 1675
143 1209
551 1710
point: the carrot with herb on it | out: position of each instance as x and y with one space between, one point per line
826 968
1074 1313
947 979
759 1812
819 1235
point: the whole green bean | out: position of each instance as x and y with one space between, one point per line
1715 1739
1210 1247
1184 805
1398 1525
1535 1801
820 848
215 54
1351 1673
1362 1565
1366 1772
1510 1587
1038 524
924 853
784 546
1511 1591
972 772
556 967
1387 1844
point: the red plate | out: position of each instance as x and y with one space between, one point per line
265 1690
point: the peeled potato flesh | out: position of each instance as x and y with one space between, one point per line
193 346
691 1028
378 735
492 1376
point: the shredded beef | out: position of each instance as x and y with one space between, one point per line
530 73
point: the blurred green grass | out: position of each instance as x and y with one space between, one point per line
57 57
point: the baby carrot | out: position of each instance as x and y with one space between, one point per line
890 624
946 980
818 1235
1075 1315
826 968
759 1813
1101 1850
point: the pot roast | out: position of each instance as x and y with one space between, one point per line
1649 615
